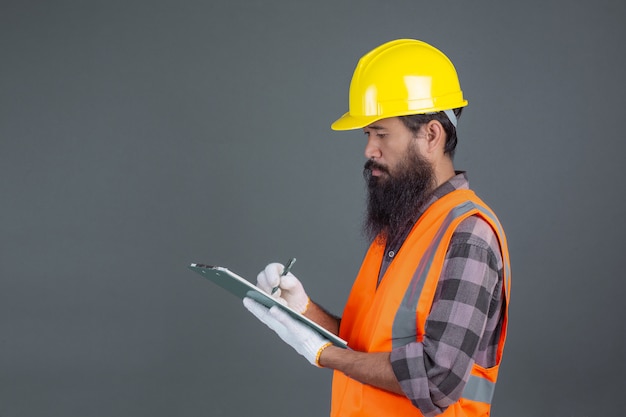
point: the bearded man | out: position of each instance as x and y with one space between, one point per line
426 319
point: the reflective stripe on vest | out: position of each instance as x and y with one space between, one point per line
479 389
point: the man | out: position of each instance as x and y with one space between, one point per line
427 315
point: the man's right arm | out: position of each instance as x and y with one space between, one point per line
322 317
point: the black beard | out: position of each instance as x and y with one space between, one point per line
395 198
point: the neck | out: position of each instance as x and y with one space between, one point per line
444 170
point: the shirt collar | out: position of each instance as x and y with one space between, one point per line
458 182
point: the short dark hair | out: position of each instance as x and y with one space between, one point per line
413 122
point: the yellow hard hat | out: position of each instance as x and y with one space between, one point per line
398 78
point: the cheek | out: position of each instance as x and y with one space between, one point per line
397 156
423 150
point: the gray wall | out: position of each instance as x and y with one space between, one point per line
139 136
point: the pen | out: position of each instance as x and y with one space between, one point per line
285 272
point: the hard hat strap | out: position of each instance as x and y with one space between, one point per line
451 116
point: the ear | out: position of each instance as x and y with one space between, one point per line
435 137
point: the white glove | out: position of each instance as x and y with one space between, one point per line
305 341
290 291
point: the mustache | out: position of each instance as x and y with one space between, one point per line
370 165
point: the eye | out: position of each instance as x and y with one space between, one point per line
378 133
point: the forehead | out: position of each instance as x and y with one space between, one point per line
386 124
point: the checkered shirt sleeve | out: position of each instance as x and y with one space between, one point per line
464 325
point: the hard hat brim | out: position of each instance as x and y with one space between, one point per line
348 122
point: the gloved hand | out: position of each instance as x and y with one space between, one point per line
290 291
305 341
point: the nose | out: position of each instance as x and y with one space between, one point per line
372 151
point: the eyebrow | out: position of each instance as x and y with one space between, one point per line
374 127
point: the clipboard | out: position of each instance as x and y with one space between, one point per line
241 288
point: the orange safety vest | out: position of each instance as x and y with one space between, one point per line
378 318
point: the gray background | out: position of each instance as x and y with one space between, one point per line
139 136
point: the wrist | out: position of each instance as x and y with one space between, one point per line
328 356
320 351
306 305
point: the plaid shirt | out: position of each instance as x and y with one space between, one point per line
465 321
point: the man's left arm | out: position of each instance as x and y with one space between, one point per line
462 325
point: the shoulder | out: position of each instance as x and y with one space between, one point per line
476 233
475 230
